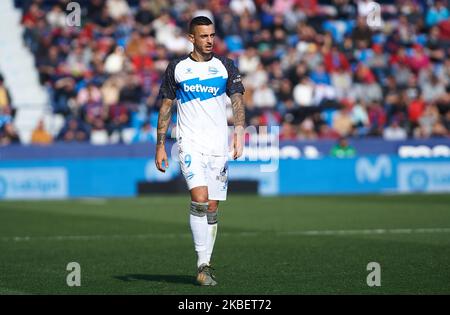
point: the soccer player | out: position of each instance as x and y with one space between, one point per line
201 83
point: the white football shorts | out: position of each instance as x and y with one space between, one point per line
201 169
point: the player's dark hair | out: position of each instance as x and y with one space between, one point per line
199 20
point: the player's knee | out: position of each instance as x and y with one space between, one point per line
200 199
199 209
213 205
199 194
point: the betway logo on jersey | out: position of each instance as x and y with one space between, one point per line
201 89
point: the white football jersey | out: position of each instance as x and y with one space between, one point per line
201 90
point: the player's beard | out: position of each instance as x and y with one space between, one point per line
207 49
206 53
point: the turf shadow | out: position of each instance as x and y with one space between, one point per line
158 278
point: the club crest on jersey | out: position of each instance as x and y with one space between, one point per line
188 71
212 70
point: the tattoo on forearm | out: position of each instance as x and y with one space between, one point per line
163 121
161 138
237 103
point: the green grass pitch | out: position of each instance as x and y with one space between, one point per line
272 245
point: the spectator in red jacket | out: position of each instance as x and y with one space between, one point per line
335 60
444 30
415 109
419 60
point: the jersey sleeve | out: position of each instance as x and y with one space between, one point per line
168 84
234 82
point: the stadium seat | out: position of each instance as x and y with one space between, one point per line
115 137
99 137
54 123
128 134
26 120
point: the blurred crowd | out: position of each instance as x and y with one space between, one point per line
8 134
315 68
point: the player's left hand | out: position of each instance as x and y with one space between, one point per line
161 160
238 145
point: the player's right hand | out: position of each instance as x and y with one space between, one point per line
161 160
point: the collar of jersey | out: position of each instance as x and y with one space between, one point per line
190 56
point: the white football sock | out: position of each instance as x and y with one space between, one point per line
199 227
212 232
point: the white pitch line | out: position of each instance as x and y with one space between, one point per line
366 232
226 234
7 291
91 237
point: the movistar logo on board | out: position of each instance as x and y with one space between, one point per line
201 89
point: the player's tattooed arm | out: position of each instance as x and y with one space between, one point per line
161 160
163 121
237 103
